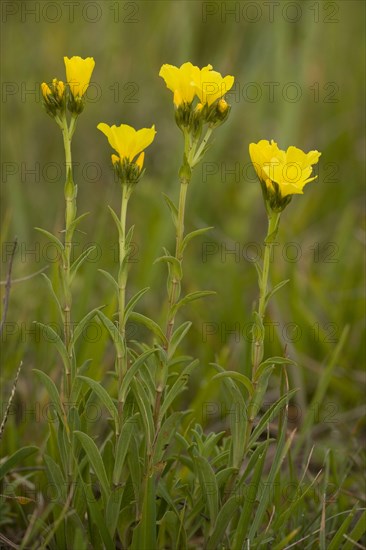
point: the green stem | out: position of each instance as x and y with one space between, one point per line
257 345
174 290
174 281
191 157
258 341
122 283
70 212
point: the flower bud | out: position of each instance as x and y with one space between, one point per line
53 97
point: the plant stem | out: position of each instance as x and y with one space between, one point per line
258 340
174 290
191 157
257 345
70 212
122 364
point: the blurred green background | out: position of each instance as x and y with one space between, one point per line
298 68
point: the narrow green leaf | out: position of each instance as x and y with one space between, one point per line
269 415
53 337
82 324
80 260
257 399
252 463
268 363
282 449
241 532
55 476
258 270
258 327
177 387
53 294
224 475
238 419
16 458
177 337
194 234
145 410
103 396
116 221
275 289
96 516
122 447
129 236
356 534
208 487
173 209
337 540
223 519
77 220
144 536
134 468
133 301
174 263
55 240
113 509
110 278
113 332
150 324
126 382
287 539
290 510
95 461
239 377
166 433
191 297
52 392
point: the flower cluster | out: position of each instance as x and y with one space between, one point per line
189 81
281 173
54 96
78 75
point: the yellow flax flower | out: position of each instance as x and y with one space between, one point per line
78 74
283 172
180 80
210 85
128 142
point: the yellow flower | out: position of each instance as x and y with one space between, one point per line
210 85
128 142
180 80
287 171
78 74
189 80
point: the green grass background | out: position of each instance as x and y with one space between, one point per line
323 54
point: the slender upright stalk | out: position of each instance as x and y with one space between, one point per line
258 341
70 213
258 335
122 361
70 191
174 289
